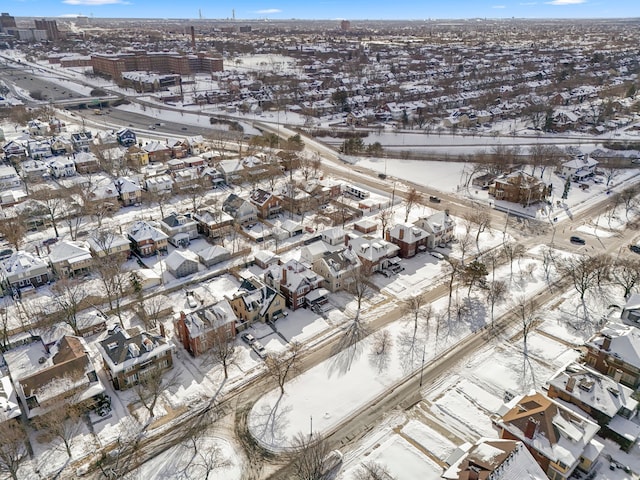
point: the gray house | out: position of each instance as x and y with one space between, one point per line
181 263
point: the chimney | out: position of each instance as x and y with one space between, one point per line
346 240
401 233
162 331
473 473
571 382
284 276
193 37
387 235
530 429
606 342
617 376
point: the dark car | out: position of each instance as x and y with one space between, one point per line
578 240
434 199
634 248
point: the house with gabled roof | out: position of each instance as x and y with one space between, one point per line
337 268
409 238
70 258
440 227
181 228
558 438
157 151
267 204
24 271
519 187
579 168
200 330
147 239
39 149
9 177
128 357
81 141
103 243
374 253
14 152
61 146
137 156
44 379
62 167
86 162
256 302
241 210
294 281
604 399
213 224
126 137
493 459
212 255
615 352
9 405
129 191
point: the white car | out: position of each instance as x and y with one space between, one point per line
259 349
437 255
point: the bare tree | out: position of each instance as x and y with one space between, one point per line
474 273
196 192
464 244
496 293
454 268
626 274
413 306
63 423
610 173
69 297
151 384
281 365
224 350
309 454
13 229
372 471
628 198
360 288
512 251
482 220
585 272
151 310
13 448
159 198
413 198
381 345
109 270
54 203
526 311
385 216
207 455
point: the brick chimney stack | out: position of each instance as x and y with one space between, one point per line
530 429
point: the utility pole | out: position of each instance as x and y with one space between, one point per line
424 347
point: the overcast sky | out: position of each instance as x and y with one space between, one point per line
326 9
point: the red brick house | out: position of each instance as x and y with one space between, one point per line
268 205
409 238
293 280
614 351
199 331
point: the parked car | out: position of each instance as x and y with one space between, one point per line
437 255
6 253
248 338
576 239
259 349
633 248
331 461
434 199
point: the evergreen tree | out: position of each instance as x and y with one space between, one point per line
567 187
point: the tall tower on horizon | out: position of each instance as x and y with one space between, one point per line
233 14
200 13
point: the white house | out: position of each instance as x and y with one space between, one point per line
62 167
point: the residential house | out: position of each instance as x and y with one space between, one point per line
179 148
493 459
104 243
128 358
232 171
81 141
45 378
603 398
201 330
147 239
409 238
62 167
106 139
519 187
197 144
57 126
241 210
630 314
267 204
181 263
294 281
86 162
558 438
34 170
180 228
14 152
291 228
126 137
213 224
9 178
295 200
266 258
337 268
61 146
129 192
137 156
615 352
374 253
212 255
313 251
579 168
37 128
157 151
256 302
23 271
70 259
365 225
440 227
186 179
39 149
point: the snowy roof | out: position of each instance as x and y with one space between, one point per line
496 459
410 233
624 342
120 351
68 250
21 264
551 429
593 389
178 257
209 318
213 252
105 240
142 231
373 249
9 407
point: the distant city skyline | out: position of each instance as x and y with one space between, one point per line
326 9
